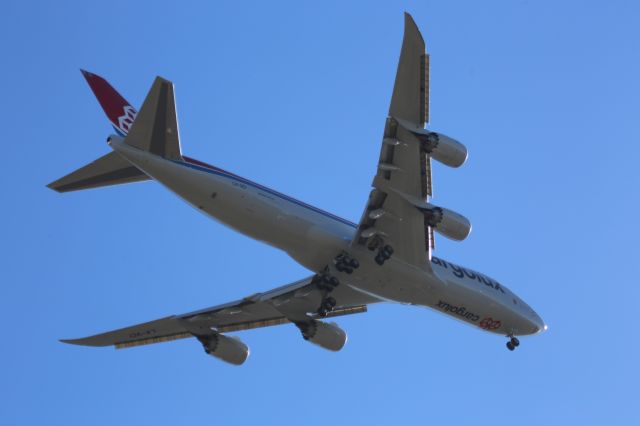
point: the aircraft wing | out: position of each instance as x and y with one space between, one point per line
293 302
403 178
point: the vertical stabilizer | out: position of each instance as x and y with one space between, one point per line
118 110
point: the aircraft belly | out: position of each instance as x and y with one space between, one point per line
220 198
395 281
236 206
458 298
308 237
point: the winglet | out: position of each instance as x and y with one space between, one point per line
119 112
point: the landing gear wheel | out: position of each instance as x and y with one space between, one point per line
326 306
324 287
515 342
345 263
379 260
323 282
510 345
387 250
334 282
330 302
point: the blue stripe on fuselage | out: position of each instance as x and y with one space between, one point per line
231 176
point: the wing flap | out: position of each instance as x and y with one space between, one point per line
350 310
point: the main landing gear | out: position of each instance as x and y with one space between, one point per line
327 305
326 282
384 254
346 263
513 343
384 250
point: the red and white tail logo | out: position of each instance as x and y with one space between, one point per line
120 113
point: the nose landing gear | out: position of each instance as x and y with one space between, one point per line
513 343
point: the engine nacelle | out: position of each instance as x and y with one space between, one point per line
442 148
326 335
228 349
447 223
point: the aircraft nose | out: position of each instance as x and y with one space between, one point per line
539 324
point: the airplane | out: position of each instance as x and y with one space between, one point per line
385 257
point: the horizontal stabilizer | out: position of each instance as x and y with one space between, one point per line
155 128
110 169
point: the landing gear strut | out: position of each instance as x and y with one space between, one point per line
513 343
326 306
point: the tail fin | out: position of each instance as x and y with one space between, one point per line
156 125
119 112
110 169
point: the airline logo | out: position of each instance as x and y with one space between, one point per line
490 324
126 121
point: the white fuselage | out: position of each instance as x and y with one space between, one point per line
314 237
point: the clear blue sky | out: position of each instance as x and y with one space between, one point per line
294 95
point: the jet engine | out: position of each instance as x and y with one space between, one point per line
328 336
446 222
442 148
228 349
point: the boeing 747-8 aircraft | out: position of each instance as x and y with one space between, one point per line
385 257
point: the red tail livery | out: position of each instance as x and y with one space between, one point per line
120 113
